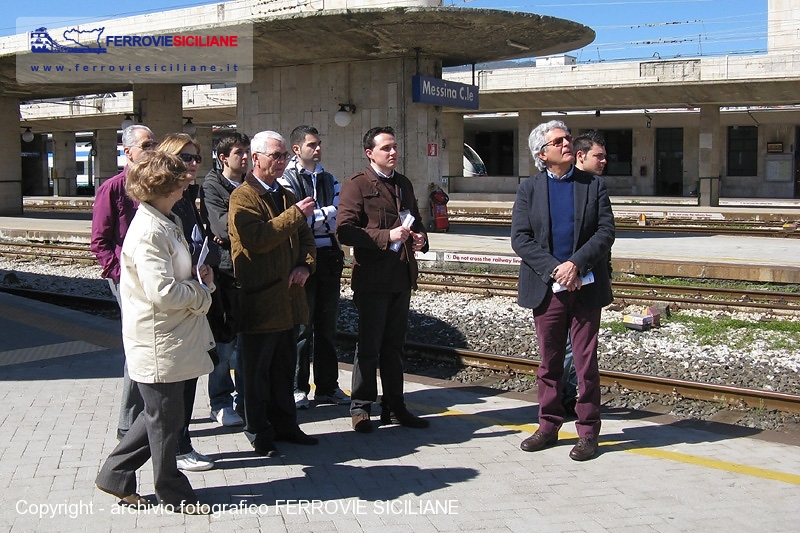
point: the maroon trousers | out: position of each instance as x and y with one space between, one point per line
557 314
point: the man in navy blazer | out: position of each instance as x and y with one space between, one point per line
563 228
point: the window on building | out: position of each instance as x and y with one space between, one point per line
742 151
619 147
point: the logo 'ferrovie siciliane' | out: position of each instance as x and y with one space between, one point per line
43 43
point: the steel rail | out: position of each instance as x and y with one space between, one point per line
507 285
703 228
724 394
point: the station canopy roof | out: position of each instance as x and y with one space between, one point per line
455 36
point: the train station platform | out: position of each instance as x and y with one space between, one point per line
663 208
60 384
758 259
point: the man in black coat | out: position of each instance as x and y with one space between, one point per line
563 228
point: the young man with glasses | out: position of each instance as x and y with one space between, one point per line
273 255
562 228
112 213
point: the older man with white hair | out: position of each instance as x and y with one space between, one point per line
273 255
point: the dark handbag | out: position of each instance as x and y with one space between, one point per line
223 316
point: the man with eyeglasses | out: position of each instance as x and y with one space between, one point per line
273 255
112 213
562 228
590 156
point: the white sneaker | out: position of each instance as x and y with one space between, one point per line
194 462
338 397
301 400
227 417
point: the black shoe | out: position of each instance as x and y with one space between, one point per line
362 423
266 448
297 437
584 450
405 418
539 441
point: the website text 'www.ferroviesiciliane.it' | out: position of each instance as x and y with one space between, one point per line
131 67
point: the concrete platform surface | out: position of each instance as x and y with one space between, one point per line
60 381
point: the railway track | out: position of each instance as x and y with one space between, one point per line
503 284
61 252
706 227
506 285
724 394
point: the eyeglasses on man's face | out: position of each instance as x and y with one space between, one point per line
558 141
188 158
278 156
147 145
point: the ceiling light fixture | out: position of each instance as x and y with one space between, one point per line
343 117
189 128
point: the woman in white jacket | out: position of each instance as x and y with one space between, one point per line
165 334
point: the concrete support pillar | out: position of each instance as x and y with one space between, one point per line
10 144
709 156
204 137
527 120
453 150
282 98
66 173
105 162
160 106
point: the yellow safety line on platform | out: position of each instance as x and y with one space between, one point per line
727 466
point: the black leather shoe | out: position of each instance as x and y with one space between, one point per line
538 441
266 448
584 450
405 418
362 423
297 437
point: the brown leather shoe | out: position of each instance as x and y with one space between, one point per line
584 450
538 441
362 423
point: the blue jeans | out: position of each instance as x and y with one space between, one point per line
317 340
569 390
222 391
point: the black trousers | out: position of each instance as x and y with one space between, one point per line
154 434
382 326
268 361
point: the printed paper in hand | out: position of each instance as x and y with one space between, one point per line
585 280
201 261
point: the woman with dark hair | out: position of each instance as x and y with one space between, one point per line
165 334
188 150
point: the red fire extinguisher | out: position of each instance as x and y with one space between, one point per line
439 201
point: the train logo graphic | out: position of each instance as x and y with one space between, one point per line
43 43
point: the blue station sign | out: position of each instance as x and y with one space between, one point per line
434 91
